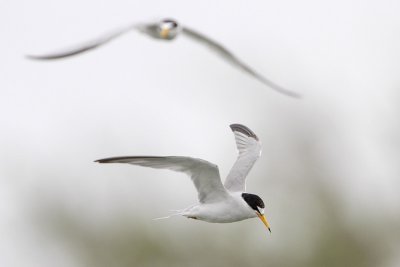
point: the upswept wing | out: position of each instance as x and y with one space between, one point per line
249 151
230 57
204 175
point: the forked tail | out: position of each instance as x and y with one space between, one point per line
176 213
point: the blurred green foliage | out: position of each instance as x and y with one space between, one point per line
336 241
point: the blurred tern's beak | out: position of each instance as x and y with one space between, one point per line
164 32
264 220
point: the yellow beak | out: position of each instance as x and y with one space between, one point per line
264 220
164 32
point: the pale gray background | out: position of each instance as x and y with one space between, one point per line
137 96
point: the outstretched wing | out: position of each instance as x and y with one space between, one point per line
225 53
204 175
249 151
84 47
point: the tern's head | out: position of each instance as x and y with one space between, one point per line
257 205
168 29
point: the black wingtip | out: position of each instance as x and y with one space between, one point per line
295 95
39 58
42 58
102 161
244 130
31 57
124 159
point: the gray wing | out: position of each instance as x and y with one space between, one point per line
249 151
204 175
235 61
84 47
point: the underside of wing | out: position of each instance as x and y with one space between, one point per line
84 47
204 175
230 57
249 148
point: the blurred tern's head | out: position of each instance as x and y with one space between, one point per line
168 29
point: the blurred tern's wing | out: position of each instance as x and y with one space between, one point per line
204 175
222 51
249 151
86 46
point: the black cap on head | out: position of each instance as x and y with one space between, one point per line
174 23
254 201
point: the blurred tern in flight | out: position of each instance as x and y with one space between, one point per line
167 29
218 203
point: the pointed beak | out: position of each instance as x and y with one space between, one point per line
264 220
164 32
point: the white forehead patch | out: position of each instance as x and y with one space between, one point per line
261 210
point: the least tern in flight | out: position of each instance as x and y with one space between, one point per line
167 29
218 203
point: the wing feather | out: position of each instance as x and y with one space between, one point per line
249 148
84 47
204 175
230 57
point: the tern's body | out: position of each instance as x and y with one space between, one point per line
218 203
232 209
167 30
